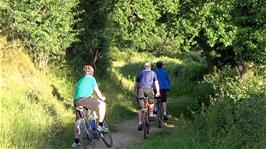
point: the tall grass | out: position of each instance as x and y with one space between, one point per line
30 115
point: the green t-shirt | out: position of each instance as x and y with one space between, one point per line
85 87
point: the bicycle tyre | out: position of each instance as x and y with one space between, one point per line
92 144
107 138
145 128
148 122
159 115
84 135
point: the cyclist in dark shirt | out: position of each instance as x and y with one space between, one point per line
164 83
144 88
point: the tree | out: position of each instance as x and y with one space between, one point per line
228 32
136 25
43 26
250 18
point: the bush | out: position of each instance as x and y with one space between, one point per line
235 115
249 123
227 84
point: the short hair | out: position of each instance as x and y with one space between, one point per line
147 64
88 69
159 64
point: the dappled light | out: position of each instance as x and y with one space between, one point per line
213 51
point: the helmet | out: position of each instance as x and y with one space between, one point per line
159 64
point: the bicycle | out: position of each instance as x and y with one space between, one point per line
145 117
89 135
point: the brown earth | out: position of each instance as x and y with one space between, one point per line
127 135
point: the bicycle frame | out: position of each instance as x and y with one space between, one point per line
91 135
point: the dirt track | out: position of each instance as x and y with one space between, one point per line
127 135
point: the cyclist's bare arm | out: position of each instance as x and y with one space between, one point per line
135 88
99 93
157 88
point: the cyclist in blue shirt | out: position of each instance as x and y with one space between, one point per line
164 83
144 87
83 97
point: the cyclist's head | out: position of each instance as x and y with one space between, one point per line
147 64
88 69
159 64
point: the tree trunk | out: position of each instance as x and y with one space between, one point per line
246 70
96 55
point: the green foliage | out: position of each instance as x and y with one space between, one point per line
213 19
235 114
187 74
93 37
249 17
33 113
250 122
136 20
210 30
146 25
228 32
230 125
231 30
190 72
226 85
43 26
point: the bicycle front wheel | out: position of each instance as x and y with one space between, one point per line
107 138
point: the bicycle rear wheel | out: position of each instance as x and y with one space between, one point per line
146 124
107 138
160 115
84 136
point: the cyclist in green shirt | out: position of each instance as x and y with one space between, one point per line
84 97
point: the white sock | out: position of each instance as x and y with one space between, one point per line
140 122
151 114
164 113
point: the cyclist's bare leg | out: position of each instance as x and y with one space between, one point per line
140 116
164 107
102 109
155 108
76 135
151 109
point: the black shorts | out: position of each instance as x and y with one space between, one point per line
141 94
163 95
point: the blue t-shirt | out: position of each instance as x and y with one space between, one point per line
163 79
85 87
146 78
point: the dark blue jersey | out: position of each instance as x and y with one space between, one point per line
163 79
